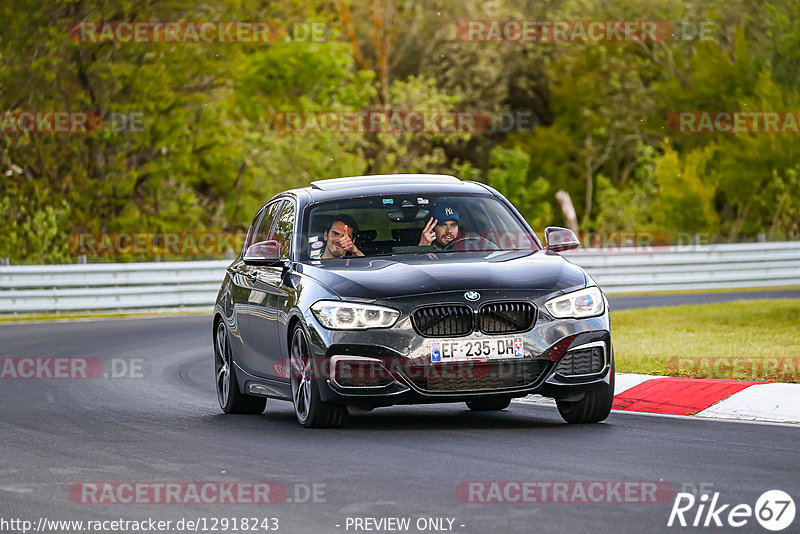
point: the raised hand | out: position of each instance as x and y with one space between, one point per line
346 243
428 235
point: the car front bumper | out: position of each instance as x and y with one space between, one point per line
403 355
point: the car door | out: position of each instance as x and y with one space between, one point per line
240 292
250 294
270 314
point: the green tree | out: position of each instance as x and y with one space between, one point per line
510 174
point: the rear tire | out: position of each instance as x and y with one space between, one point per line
309 410
592 408
231 400
489 405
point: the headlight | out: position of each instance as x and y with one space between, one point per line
348 316
578 304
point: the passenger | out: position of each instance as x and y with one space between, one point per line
437 233
340 238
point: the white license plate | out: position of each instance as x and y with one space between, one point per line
452 350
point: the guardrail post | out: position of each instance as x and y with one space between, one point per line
82 259
5 262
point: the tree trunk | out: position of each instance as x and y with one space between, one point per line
568 209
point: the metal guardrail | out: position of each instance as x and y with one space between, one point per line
111 287
185 286
694 267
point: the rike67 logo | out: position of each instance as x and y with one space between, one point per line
774 510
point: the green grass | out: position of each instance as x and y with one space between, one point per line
740 340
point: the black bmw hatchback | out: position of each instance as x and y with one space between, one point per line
371 291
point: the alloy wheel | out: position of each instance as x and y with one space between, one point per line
301 376
222 365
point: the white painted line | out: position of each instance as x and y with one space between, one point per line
762 402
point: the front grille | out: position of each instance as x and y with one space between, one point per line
443 321
582 362
506 317
476 376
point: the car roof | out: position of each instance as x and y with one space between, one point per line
390 184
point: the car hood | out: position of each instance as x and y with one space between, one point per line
377 278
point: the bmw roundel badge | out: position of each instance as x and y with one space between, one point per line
472 295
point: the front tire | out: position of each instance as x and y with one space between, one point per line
231 400
309 410
592 408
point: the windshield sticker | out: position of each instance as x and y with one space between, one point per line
388 201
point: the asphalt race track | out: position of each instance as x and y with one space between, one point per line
161 423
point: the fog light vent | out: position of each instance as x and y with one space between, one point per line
365 373
582 361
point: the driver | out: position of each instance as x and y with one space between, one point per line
442 227
339 238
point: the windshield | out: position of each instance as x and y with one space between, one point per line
411 224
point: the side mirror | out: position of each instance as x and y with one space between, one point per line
263 253
559 239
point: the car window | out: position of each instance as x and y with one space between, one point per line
284 229
265 225
393 225
252 230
